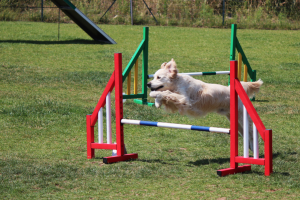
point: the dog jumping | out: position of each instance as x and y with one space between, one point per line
192 97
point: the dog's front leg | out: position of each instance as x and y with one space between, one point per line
158 98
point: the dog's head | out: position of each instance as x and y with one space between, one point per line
164 77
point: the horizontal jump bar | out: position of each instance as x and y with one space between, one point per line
178 126
199 73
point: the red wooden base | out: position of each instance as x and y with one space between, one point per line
113 159
240 169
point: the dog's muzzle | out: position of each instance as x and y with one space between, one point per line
154 89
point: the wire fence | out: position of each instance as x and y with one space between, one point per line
156 12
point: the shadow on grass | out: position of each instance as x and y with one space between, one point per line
75 41
210 161
224 160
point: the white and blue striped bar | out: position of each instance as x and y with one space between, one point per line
199 73
178 126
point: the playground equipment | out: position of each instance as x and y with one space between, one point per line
83 21
235 45
235 90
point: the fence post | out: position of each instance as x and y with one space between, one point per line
42 10
223 11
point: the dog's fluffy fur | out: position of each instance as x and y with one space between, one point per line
189 96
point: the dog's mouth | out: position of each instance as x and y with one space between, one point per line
154 89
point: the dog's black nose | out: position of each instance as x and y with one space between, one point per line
149 85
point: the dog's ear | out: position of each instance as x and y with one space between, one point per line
172 68
163 65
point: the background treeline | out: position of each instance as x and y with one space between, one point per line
267 14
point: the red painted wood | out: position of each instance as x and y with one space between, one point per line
237 89
109 87
233 115
103 146
268 153
250 109
119 104
90 137
113 159
239 169
259 161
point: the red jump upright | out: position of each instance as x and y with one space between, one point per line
115 80
236 89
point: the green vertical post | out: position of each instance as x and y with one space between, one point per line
232 45
253 79
233 42
145 64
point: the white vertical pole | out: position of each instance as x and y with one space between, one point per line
255 143
246 132
108 119
100 126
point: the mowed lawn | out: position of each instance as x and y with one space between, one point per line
47 87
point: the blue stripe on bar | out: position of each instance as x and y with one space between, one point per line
200 128
148 123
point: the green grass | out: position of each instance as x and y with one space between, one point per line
48 86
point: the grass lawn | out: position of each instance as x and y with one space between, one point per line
47 87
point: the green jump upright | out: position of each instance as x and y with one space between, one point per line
143 47
235 45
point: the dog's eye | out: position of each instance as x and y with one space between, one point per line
158 77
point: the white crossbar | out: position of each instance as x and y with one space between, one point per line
178 126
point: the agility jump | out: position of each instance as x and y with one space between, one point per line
143 48
235 90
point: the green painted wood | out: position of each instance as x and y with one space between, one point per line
132 96
209 73
145 64
253 79
143 103
232 45
233 41
245 60
133 60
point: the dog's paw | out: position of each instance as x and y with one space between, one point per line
153 94
157 102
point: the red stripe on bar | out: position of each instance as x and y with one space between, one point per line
258 161
103 146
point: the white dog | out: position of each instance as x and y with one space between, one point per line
189 96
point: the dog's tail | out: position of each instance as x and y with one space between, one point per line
252 87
